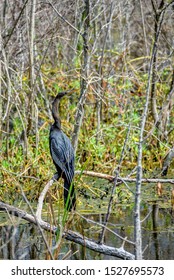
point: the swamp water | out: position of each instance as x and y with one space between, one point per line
21 240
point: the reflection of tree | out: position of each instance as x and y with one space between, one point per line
11 239
155 210
20 242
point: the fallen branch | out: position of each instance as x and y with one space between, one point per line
95 174
69 235
123 179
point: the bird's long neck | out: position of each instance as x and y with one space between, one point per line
55 112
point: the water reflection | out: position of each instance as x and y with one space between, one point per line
23 241
155 212
19 242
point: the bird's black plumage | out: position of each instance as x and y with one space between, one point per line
62 154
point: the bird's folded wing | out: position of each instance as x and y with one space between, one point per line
63 157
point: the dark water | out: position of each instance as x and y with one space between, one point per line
23 240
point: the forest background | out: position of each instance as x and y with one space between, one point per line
117 59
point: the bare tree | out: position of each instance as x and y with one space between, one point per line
137 219
161 119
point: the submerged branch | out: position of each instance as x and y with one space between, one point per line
69 235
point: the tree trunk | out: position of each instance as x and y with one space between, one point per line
84 76
31 67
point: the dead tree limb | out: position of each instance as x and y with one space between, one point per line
120 180
42 196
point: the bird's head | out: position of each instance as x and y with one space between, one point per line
61 94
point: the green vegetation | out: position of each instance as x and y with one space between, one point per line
122 107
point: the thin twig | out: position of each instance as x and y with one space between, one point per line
64 19
117 171
124 239
15 24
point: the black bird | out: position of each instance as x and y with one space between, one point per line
167 161
62 154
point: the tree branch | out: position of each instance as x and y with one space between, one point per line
120 180
64 19
42 196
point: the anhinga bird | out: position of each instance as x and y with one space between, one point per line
167 161
62 154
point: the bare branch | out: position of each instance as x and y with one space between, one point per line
117 171
42 196
120 180
63 18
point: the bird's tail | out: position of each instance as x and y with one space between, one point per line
69 196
